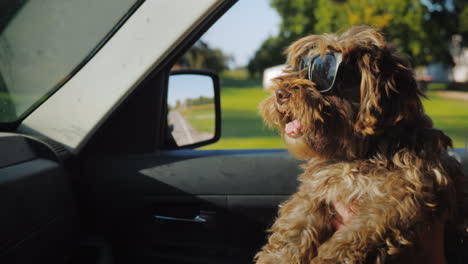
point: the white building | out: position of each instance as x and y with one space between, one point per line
460 71
460 57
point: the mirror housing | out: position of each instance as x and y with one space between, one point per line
193 109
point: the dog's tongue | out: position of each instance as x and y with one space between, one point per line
293 129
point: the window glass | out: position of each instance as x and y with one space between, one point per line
42 43
246 48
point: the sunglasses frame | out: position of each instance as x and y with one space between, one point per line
308 62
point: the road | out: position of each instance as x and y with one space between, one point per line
183 132
453 95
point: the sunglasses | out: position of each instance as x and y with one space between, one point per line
322 70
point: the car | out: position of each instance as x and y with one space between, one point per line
423 80
91 169
270 73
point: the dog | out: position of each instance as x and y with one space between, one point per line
350 106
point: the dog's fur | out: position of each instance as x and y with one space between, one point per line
370 147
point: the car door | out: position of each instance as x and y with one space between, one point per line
54 162
179 205
39 216
187 206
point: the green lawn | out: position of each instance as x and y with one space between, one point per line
451 116
201 117
242 126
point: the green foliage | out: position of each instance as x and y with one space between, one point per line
198 101
202 56
421 31
270 53
463 23
463 20
237 78
403 22
297 17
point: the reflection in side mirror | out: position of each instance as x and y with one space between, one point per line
192 108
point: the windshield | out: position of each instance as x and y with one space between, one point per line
43 43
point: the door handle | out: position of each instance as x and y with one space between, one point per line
196 219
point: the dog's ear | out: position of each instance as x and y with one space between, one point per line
389 94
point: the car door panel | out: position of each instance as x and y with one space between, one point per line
39 219
153 200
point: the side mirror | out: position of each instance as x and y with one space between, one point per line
194 113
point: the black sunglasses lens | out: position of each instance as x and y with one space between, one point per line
323 71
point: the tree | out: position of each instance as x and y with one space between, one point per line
270 53
402 21
202 56
297 17
462 9
422 31
463 23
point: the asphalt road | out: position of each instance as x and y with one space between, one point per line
183 132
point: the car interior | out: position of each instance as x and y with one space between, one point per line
132 196
116 203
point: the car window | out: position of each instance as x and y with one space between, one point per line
246 48
43 43
226 49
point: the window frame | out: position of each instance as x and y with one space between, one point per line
10 126
74 133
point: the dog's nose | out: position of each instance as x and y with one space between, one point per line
282 96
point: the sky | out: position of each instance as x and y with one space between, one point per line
243 28
239 32
192 86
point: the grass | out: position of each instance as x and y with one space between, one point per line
201 117
451 116
242 127
437 86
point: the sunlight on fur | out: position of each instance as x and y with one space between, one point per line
368 145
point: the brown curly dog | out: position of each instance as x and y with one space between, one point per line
351 107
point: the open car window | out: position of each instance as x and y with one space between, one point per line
43 43
247 54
